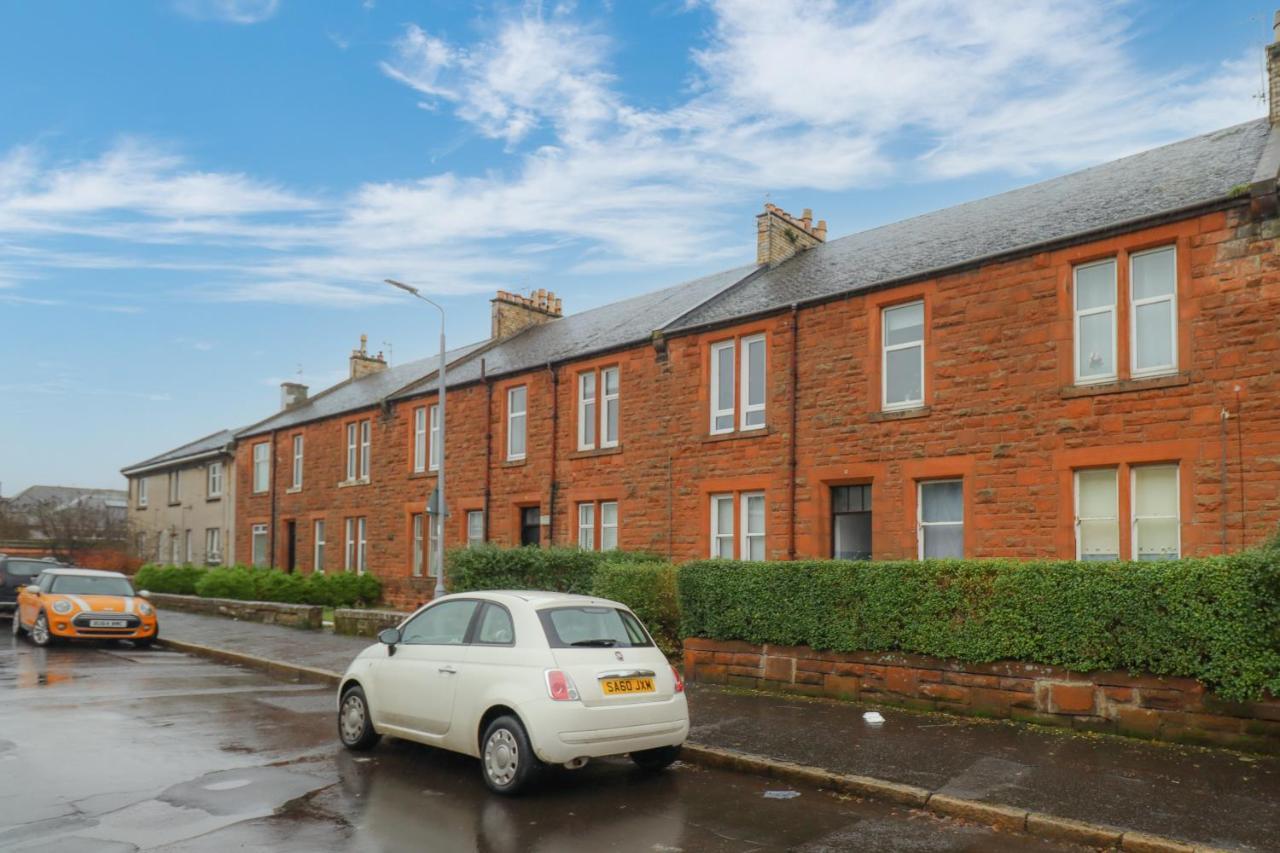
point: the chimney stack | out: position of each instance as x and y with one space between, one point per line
779 235
1273 73
363 364
292 394
512 313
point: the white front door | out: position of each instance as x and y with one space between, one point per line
414 687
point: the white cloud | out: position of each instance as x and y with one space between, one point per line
228 11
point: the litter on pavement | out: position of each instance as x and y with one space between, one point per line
781 795
873 717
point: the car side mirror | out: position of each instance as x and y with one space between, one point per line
34 588
390 637
143 593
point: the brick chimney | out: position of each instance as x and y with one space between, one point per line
363 364
514 313
292 394
1273 73
779 235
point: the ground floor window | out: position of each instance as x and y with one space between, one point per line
601 515
738 526
941 519
587 526
260 545
530 525
1155 513
424 543
722 526
1097 515
851 522
475 528
213 546
417 544
318 556
355 545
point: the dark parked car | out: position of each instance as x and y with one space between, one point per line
17 572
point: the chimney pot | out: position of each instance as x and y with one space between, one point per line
779 235
292 394
362 364
512 313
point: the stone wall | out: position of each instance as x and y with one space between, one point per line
268 612
365 623
1172 709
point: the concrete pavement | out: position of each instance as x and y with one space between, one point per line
105 748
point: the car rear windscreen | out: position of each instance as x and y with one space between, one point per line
25 568
585 626
86 585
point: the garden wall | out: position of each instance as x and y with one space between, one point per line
268 612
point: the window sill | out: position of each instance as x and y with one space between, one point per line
422 475
1147 383
758 432
346 483
293 490
901 414
175 503
513 463
213 499
595 451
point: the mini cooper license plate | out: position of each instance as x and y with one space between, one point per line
617 686
107 623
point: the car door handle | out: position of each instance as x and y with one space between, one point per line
448 670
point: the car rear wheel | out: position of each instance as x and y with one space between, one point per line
507 761
654 760
355 728
40 631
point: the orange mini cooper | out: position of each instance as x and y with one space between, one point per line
66 603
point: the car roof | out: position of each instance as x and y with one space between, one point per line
81 573
537 597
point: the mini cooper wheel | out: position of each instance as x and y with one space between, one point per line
653 760
507 761
355 728
39 632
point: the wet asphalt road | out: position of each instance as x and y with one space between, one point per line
104 748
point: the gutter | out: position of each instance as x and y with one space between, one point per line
183 461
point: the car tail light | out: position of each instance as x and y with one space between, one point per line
560 686
679 680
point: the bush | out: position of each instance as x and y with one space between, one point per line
245 584
177 580
555 569
1215 619
235 582
649 589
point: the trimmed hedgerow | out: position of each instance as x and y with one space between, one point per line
178 580
557 569
649 589
242 583
1215 619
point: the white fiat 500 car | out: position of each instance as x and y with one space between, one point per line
519 680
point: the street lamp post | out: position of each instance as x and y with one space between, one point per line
440 502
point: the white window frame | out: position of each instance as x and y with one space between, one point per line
433 442
349 544
418 553
605 527
473 516
420 439
212 546
297 460
716 413
317 545
1133 505
745 406
1077 314
746 534
921 524
433 533
591 420
607 400
522 416
353 451
256 531
362 544
213 480
1134 304
886 348
1079 518
261 468
189 546
716 533
142 491
587 525
175 487
366 438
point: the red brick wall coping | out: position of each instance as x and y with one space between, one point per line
1147 706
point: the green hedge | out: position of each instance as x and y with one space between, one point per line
1215 619
340 589
649 589
557 569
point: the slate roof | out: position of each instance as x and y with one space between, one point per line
66 496
596 330
1176 177
354 394
201 446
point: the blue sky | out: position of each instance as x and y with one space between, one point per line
199 198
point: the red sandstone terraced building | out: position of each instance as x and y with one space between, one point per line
1085 367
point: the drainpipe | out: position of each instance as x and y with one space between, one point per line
488 444
271 484
791 442
555 420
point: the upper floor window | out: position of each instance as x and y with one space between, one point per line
940 524
420 439
434 453
365 428
175 487
902 356
261 466
1153 311
213 483
142 493
358 450
1097 515
517 416
1095 321
738 384
297 462
598 408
